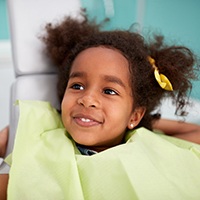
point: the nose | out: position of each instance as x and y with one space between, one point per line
89 100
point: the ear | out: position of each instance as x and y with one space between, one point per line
136 117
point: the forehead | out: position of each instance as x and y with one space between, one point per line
108 60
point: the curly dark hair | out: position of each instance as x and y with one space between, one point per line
65 40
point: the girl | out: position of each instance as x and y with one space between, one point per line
110 82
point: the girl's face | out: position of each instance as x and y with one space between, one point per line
98 105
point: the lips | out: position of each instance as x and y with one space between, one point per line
86 121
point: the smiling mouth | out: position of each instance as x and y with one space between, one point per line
86 122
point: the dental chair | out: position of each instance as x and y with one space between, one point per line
35 75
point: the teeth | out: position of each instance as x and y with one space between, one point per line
85 120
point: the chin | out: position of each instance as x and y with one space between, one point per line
84 142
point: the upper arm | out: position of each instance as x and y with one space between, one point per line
3 186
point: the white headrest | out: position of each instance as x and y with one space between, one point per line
27 20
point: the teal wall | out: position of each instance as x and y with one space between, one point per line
4 32
178 20
124 12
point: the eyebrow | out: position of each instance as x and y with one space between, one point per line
77 74
108 78
114 79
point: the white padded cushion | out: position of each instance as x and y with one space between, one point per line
31 87
27 20
36 87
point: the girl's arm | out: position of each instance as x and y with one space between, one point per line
3 177
3 141
182 130
3 186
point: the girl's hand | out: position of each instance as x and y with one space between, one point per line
3 141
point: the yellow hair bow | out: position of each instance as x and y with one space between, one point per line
162 80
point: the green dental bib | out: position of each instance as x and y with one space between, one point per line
46 164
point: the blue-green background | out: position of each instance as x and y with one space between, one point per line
178 20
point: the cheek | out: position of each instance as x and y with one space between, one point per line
64 108
66 102
121 115
67 105
127 110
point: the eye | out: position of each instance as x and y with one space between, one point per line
77 87
110 92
